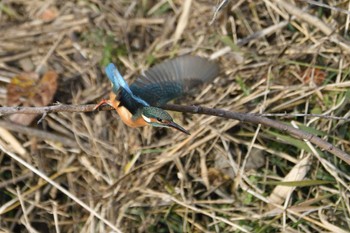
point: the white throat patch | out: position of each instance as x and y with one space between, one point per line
146 119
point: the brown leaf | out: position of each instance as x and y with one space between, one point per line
49 14
46 89
20 87
27 90
316 76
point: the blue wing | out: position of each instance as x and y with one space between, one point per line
119 84
173 78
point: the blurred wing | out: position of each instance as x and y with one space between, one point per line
119 84
173 78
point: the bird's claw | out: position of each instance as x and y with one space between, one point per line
102 102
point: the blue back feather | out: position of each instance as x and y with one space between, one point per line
119 83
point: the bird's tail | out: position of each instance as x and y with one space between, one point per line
116 78
119 83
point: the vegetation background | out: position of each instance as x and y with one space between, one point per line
275 57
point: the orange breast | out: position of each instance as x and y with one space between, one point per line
124 113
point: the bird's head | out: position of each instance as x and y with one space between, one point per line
159 118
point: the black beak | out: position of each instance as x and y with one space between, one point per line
178 127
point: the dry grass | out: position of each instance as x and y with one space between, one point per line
227 176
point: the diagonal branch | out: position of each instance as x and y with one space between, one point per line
251 118
243 117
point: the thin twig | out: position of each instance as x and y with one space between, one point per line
90 108
38 133
291 115
59 187
50 109
338 9
316 22
244 117
14 180
217 9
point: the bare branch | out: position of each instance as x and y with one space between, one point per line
251 118
243 117
50 109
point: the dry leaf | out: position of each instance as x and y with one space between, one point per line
20 87
49 14
216 176
297 173
46 89
316 76
26 90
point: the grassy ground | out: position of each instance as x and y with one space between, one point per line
275 57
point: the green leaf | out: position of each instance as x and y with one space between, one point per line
8 10
241 83
229 42
302 183
290 140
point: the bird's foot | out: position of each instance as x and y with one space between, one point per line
102 102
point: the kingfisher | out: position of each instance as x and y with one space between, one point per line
140 104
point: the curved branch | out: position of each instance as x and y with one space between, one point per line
244 117
251 118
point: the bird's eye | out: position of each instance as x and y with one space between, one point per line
160 120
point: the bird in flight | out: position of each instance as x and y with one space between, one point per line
140 104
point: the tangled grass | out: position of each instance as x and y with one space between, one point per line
276 57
